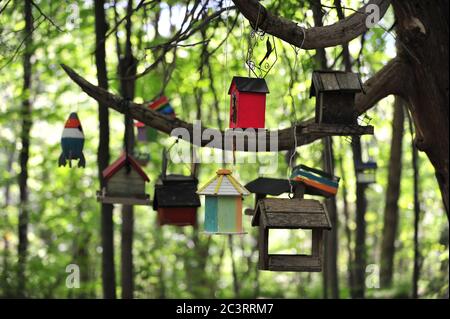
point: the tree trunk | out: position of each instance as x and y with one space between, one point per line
107 224
330 271
25 150
417 255
359 266
127 70
423 31
392 195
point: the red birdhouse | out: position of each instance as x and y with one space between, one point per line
247 102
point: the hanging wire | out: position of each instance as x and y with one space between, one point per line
291 158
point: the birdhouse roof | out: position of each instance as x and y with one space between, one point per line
335 81
176 194
291 213
119 163
366 165
223 184
254 85
176 178
269 186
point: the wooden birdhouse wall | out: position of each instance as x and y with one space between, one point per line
337 108
123 184
223 214
250 109
180 216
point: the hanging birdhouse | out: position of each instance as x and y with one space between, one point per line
280 213
72 142
335 96
223 204
175 199
125 183
247 102
316 182
160 105
366 172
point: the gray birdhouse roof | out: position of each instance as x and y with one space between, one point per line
254 85
291 214
268 186
335 81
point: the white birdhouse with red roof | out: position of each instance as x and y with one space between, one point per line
124 183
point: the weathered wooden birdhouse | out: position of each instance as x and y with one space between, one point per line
223 204
247 102
366 172
160 105
335 96
125 183
316 182
280 213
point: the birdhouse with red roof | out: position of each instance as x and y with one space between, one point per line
160 105
124 183
247 102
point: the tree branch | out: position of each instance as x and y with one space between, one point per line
384 83
311 38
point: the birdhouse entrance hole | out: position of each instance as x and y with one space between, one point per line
280 241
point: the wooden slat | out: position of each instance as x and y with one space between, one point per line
337 129
274 205
296 220
329 81
294 263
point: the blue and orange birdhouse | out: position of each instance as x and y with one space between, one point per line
223 204
247 102
160 105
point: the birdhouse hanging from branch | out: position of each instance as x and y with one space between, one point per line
72 142
247 102
160 105
335 96
223 204
124 183
316 182
366 172
297 213
175 199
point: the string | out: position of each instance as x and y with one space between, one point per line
291 158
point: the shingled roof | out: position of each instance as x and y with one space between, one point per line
291 214
180 194
329 81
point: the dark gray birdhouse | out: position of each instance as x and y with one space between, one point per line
335 96
281 213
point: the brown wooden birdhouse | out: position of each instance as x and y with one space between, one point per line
125 183
281 213
335 96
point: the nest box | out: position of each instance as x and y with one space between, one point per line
316 182
223 204
335 96
280 213
366 172
175 199
247 102
160 105
124 183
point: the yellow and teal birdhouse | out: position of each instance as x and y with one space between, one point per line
223 204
